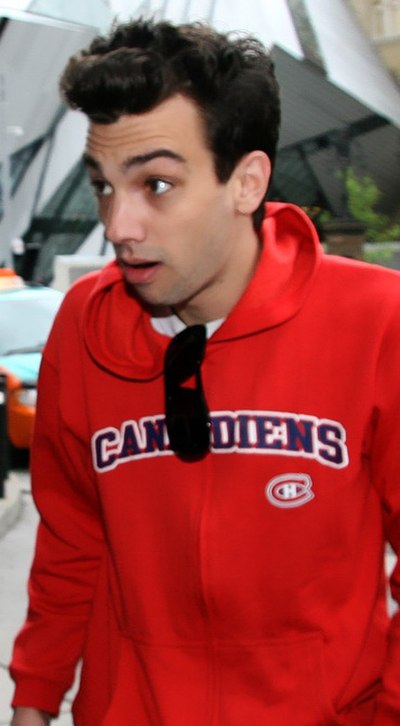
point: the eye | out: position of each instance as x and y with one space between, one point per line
101 187
159 186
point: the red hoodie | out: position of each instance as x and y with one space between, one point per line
246 588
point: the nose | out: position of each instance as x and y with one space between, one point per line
124 221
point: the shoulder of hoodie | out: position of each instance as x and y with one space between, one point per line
69 319
80 290
360 283
70 313
349 277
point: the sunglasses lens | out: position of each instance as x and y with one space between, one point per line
186 411
188 424
185 354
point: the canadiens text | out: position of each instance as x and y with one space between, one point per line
245 432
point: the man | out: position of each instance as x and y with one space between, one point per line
216 452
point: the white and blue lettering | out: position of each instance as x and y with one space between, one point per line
244 432
135 440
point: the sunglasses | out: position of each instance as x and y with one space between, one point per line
186 411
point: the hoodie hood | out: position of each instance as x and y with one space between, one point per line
291 252
118 332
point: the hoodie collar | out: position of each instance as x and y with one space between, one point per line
291 252
118 332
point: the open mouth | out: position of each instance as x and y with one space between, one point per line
139 272
142 265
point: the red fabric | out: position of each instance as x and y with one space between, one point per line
247 587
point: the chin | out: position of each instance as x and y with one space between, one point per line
150 302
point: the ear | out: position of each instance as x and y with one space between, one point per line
252 175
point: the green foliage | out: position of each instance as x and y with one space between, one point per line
379 254
363 195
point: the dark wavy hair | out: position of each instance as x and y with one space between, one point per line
141 63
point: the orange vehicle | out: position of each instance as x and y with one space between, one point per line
26 316
20 403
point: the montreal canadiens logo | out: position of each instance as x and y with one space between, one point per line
289 490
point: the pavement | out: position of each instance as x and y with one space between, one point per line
18 520
11 503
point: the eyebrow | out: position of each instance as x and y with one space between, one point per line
136 160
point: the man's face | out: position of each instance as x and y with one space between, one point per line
178 237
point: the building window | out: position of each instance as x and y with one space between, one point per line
20 162
64 223
305 33
385 18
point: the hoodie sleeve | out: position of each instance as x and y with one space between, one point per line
69 546
385 463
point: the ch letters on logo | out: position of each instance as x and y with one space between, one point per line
289 490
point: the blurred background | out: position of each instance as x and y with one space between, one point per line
338 64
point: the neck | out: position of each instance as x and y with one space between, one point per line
216 301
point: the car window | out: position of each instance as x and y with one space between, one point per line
26 318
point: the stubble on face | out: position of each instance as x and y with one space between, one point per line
180 246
